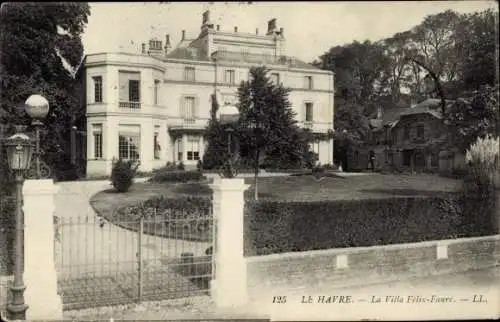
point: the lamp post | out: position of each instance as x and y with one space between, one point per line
19 151
257 128
37 108
229 115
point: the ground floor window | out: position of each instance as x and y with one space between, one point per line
156 143
97 134
193 148
434 159
407 154
129 142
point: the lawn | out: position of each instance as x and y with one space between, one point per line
303 188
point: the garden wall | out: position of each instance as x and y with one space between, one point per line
317 270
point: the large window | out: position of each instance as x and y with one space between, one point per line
156 92
189 74
134 91
130 89
193 148
188 109
308 82
229 77
97 89
129 140
156 141
97 135
309 112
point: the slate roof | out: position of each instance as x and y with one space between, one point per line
430 106
189 49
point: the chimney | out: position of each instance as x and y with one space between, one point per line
271 26
282 32
183 35
143 47
256 31
167 44
218 27
235 29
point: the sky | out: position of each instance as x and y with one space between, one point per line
311 28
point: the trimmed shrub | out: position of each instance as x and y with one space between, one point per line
180 166
276 227
122 175
188 218
177 176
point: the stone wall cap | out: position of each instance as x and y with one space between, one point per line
43 186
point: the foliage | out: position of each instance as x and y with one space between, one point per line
42 39
458 49
187 218
483 161
268 130
7 224
122 175
474 116
277 227
162 176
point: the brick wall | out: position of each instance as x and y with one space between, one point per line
337 268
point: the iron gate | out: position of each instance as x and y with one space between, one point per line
103 263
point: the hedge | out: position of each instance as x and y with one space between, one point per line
7 235
284 226
277 227
167 175
187 218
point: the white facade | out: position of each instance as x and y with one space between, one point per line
134 100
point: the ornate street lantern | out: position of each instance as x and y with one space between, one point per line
37 107
19 150
229 115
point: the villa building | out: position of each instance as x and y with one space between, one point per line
153 106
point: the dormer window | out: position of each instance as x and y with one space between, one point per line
155 45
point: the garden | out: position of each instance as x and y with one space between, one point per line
300 213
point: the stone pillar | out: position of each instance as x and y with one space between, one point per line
184 147
230 285
39 266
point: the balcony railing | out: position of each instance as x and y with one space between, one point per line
134 105
188 120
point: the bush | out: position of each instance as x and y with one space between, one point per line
188 218
122 175
176 176
276 226
180 166
7 235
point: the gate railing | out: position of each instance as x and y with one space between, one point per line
102 263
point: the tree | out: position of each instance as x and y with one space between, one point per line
43 54
477 40
268 129
473 116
